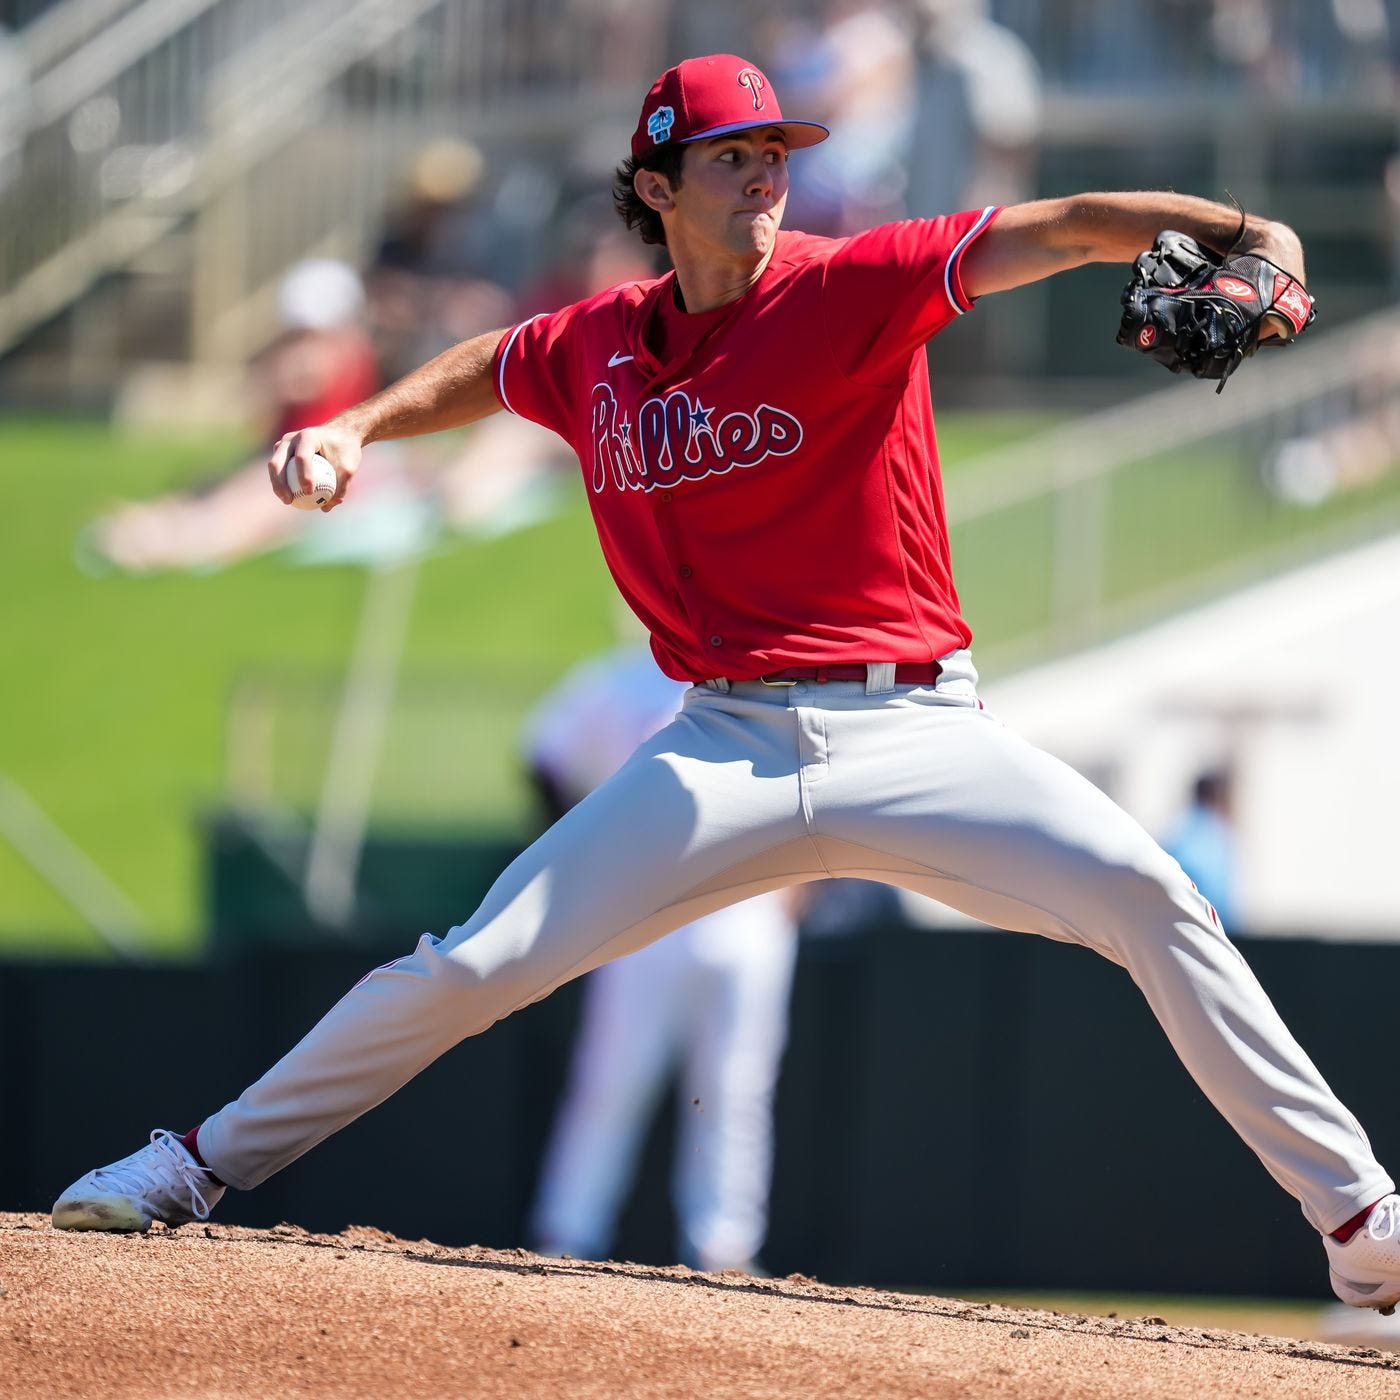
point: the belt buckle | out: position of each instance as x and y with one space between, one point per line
777 685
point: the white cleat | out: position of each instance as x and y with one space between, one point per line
160 1182
1365 1270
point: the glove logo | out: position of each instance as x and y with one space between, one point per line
1147 337
1235 287
1294 303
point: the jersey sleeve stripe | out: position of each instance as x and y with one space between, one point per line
952 284
501 365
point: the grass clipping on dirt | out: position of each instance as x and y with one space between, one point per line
222 1311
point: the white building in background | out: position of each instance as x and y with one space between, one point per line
1294 685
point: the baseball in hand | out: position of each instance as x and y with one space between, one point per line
313 485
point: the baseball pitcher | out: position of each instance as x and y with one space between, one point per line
757 445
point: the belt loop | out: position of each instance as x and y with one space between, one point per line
821 675
720 683
879 677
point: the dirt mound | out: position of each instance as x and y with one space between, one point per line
214 1311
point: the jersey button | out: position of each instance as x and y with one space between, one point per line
686 571
716 640
665 495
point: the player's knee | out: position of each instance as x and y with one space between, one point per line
1149 891
452 968
487 967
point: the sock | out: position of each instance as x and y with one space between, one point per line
190 1142
1343 1234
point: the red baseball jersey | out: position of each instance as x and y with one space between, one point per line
764 475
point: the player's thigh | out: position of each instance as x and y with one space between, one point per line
959 807
684 827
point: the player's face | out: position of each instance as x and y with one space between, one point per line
732 194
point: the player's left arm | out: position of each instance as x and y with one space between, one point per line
1027 242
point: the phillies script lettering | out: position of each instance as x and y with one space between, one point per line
676 439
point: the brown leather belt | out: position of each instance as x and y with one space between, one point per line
905 673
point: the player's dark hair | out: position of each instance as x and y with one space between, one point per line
631 208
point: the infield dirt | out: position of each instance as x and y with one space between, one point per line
216 1311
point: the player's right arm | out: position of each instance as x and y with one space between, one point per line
448 392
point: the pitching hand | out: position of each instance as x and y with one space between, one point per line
338 446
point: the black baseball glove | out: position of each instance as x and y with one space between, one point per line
1191 310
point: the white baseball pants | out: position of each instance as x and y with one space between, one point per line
761 787
713 996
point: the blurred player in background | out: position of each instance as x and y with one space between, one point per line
322 362
713 995
1204 841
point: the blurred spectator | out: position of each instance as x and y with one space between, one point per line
590 251
433 281
506 470
713 994
977 110
1285 47
1203 842
855 71
1276 47
323 361
320 364
723 26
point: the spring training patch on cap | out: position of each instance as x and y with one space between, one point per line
659 124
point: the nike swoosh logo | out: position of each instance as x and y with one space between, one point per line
618 360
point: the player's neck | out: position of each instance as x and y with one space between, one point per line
703 284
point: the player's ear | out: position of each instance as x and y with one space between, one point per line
654 190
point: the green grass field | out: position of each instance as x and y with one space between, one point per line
113 718
113 715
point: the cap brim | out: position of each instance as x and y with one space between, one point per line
796 134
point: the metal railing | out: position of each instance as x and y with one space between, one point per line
144 114
1074 534
115 133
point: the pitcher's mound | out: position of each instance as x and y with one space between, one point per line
220 1311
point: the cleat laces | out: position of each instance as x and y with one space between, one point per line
150 1171
1384 1223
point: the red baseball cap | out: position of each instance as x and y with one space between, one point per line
713 96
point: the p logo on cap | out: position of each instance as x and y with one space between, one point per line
752 79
